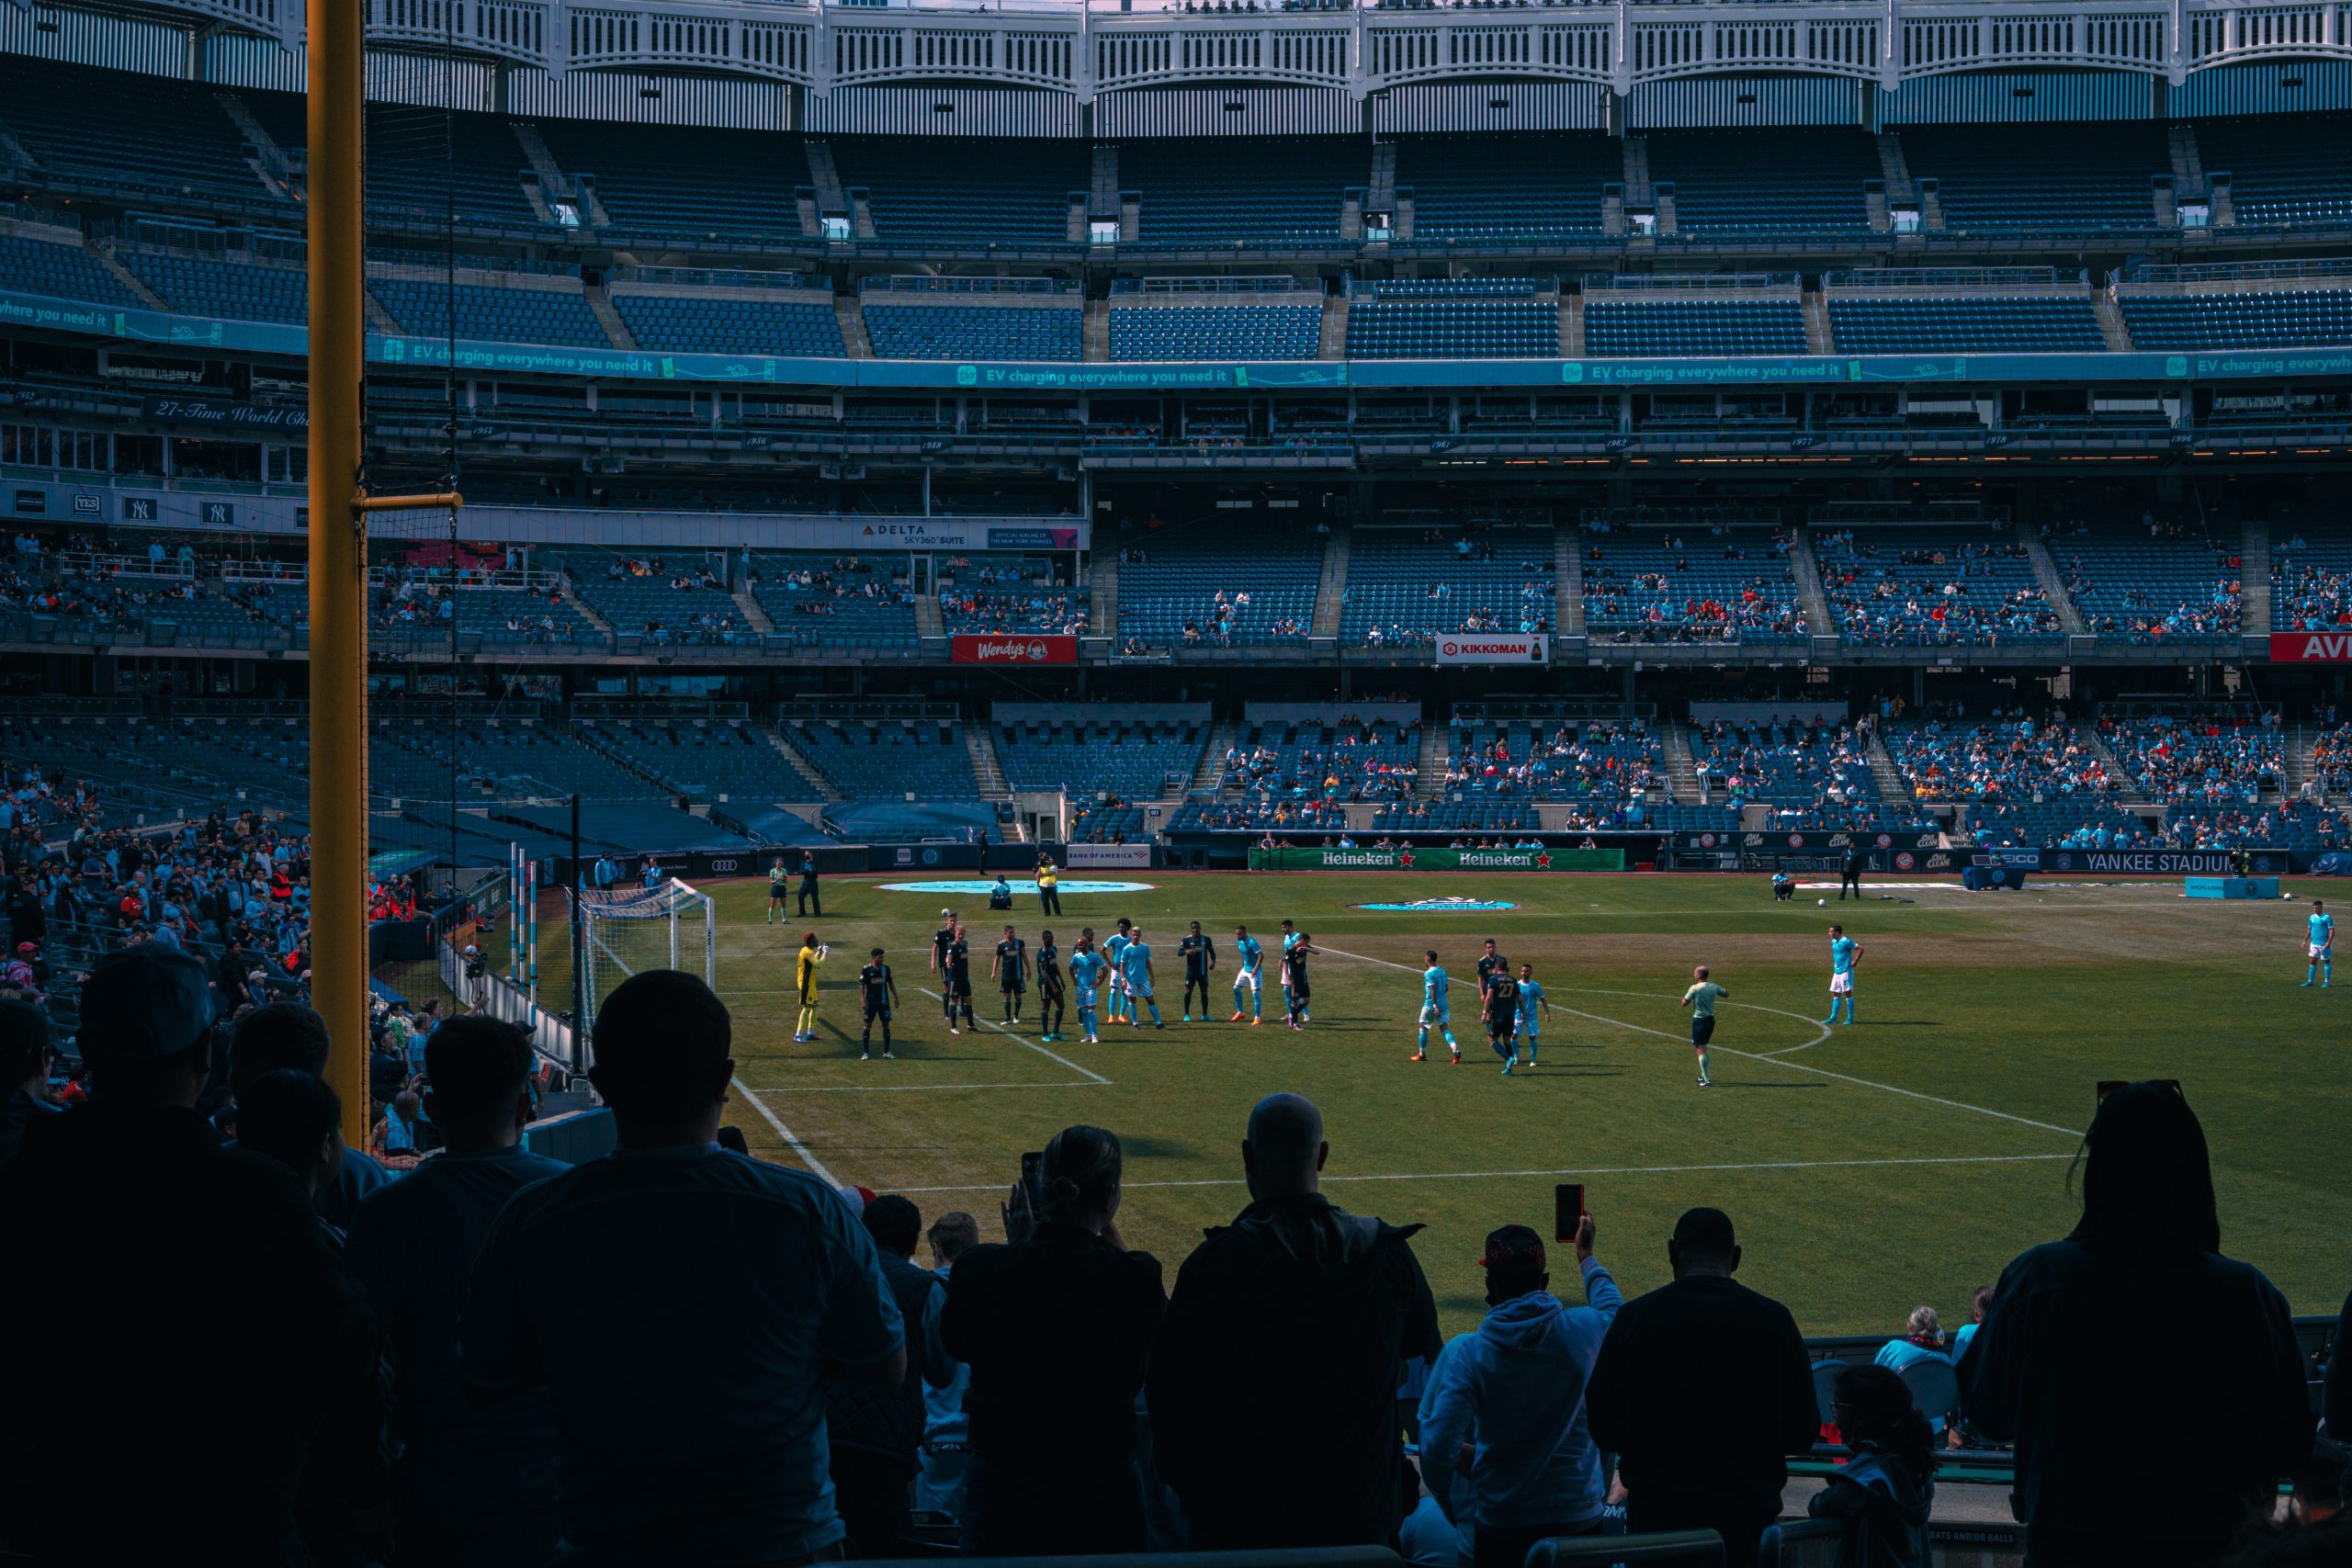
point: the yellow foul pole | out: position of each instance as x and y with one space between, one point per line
338 557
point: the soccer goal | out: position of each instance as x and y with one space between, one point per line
627 931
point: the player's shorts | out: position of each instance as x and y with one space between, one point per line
1011 984
808 1000
1842 984
2319 954
877 1010
1702 1031
1296 990
959 984
1503 1028
1084 997
1137 989
1246 978
778 893
1430 1014
1528 1026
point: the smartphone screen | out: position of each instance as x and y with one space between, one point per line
1567 1209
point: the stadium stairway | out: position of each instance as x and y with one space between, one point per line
268 159
2053 587
1208 771
817 788
1571 325
1102 600
1682 772
581 607
1331 592
1429 783
980 744
1567 580
1333 345
928 622
2134 795
1818 621
825 178
1896 170
753 612
1884 771
2254 578
2299 741
2111 330
1094 332
1816 323
854 336
600 305
104 256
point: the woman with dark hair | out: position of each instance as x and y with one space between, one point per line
1886 1492
1056 1327
2135 1325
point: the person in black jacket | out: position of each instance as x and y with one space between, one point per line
876 1435
1056 1325
1702 1389
2070 1360
1849 874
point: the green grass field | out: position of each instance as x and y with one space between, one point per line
1868 1169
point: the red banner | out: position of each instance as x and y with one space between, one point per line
1013 647
2311 647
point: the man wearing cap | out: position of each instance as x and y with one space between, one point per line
1702 1388
1516 1392
206 1305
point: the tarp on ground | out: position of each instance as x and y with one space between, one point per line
1437 860
778 826
900 822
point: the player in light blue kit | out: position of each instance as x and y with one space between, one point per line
1845 954
1434 1010
1134 972
1086 967
1290 940
1253 963
1531 999
1117 944
2321 947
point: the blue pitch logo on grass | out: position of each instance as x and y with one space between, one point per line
1442 907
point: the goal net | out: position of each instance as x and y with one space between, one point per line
628 931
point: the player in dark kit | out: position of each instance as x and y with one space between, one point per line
1011 968
1490 964
941 940
1199 953
879 992
1050 991
1295 988
959 981
1503 1018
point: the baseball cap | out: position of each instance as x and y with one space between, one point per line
1514 1250
144 1003
29 947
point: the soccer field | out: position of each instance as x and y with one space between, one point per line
1868 1169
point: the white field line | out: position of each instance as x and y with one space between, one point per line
1087 1073
1772 1061
795 1144
1581 1170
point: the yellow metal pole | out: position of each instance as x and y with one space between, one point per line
338 558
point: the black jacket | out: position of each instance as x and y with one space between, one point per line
1285 1332
891 1423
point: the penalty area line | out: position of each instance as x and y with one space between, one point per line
790 1142
1085 1072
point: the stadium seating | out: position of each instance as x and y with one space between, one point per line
1407 585
440 761
1454 817
2311 580
887 759
2022 323
2291 175
2222 757
2331 767
1616 326
2286 825
1507 187
2308 318
1091 824
1206 585
1008 594
962 191
2076 823
916 327
684 180
425 614
1602 763
1315 762
1279 816
1652 587
1478 318
1126 761
2003 177
820 599
1208 321
733 323
1287 191
1913 588
92 130
2015 761
423 164
2151 591
1765 182
59 271
507 315
714 760
243 291
1813 776
679 602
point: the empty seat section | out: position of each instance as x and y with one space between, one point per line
2029 323
1501 318
108 130
887 759
968 330
59 271
2285 170
713 760
1617 327
1762 182
242 291
2064 178
1506 187
1159 331
1405 587
713 323
1132 760
1266 190
500 315
1173 580
963 191
423 164
684 180
2308 318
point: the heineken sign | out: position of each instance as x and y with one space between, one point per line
1437 860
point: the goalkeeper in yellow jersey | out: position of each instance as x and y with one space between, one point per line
813 954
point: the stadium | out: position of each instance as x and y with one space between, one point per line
644 540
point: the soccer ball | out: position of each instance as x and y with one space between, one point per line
1823 902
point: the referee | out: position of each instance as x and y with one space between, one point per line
1849 874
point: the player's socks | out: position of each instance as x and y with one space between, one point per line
1509 1061
1451 1045
1424 1045
1703 1070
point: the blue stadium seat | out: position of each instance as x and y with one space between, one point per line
502 315
1405 587
245 290
1268 190
910 327
1182 570
1619 327
712 324
2025 323
950 190
1489 188
1765 182
57 271
2307 318
1501 318
2004 177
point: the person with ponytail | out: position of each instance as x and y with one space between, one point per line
2133 1324
1056 1325
1884 1493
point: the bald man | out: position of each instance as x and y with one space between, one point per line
1288 1325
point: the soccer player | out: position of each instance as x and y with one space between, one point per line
1011 969
1086 967
879 992
1112 948
1134 979
2320 945
1199 953
940 941
1049 987
1490 964
1531 1001
1844 956
1502 1019
1700 998
812 953
959 981
777 879
1297 947
1250 953
1434 1009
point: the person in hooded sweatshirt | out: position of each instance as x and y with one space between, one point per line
1515 1391
1886 1492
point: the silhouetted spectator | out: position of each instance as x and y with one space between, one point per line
2063 1366
278 1036
24 1072
2336 1396
1516 1390
1056 1328
477 1486
295 1119
205 1310
681 1304
1886 1492
1702 1388
946 1431
876 1435
1290 1322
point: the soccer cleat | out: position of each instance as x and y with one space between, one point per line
1234 1018
953 1030
1706 1083
1256 1021
1418 1057
1506 1067
1454 1060
865 1055
1163 1028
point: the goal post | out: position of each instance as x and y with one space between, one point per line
628 931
